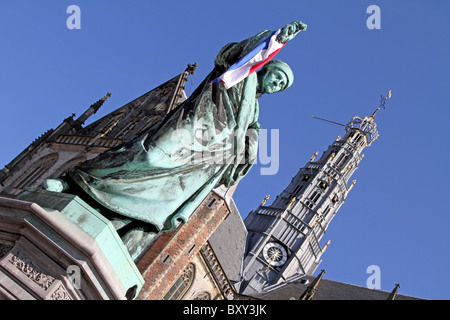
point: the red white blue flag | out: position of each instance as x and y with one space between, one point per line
251 62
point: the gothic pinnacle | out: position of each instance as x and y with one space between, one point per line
107 96
91 110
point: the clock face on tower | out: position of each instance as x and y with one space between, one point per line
275 254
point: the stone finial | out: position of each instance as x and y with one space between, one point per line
107 96
265 200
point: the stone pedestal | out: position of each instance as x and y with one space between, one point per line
55 246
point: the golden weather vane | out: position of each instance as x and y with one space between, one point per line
382 103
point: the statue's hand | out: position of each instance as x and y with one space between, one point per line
290 30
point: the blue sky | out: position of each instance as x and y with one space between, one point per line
395 217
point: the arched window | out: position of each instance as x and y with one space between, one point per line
342 159
66 166
326 211
312 200
36 171
182 285
335 199
315 196
323 185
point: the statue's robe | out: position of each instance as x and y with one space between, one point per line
163 174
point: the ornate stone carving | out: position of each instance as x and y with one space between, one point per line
203 296
4 249
60 294
31 270
216 270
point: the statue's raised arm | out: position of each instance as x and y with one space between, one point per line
289 31
237 52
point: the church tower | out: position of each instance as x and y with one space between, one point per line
283 241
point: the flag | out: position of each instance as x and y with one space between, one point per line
251 62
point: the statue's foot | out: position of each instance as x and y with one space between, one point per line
55 185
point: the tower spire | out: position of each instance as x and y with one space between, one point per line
190 70
91 110
312 289
393 294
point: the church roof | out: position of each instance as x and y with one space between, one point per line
136 115
228 242
330 290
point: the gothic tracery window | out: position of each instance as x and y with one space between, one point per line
36 171
181 286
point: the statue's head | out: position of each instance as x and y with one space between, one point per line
275 76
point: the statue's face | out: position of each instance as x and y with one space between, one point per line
273 80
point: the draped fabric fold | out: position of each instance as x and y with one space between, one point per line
161 175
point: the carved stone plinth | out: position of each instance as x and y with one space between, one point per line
54 246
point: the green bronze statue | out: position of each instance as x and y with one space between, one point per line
162 175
